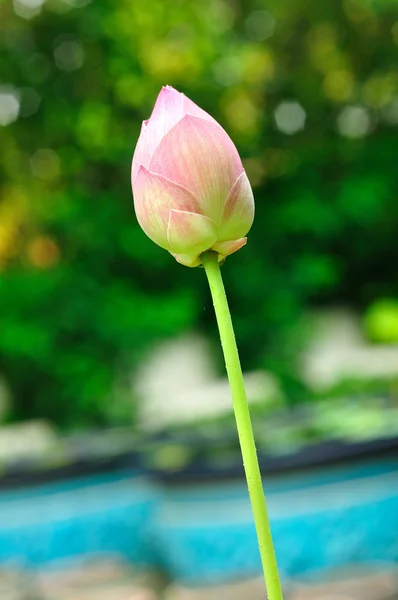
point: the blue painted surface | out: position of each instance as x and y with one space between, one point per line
320 519
92 515
204 533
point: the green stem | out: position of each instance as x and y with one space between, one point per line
244 426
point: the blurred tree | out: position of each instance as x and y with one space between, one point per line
308 90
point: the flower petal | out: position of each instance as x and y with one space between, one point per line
188 260
199 155
190 233
227 248
238 213
168 110
142 154
154 198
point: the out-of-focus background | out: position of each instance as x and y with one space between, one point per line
121 477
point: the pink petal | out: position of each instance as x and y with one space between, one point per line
199 155
238 213
154 198
227 248
168 110
142 154
190 233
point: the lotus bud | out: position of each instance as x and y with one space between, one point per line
191 192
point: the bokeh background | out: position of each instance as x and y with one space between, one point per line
104 338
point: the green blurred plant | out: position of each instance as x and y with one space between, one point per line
381 321
78 310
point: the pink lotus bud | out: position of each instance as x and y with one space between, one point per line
191 193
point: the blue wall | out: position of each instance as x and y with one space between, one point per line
204 533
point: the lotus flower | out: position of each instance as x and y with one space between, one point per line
191 192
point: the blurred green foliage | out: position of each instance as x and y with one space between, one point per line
381 321
83 293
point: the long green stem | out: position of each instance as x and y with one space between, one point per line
244 426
